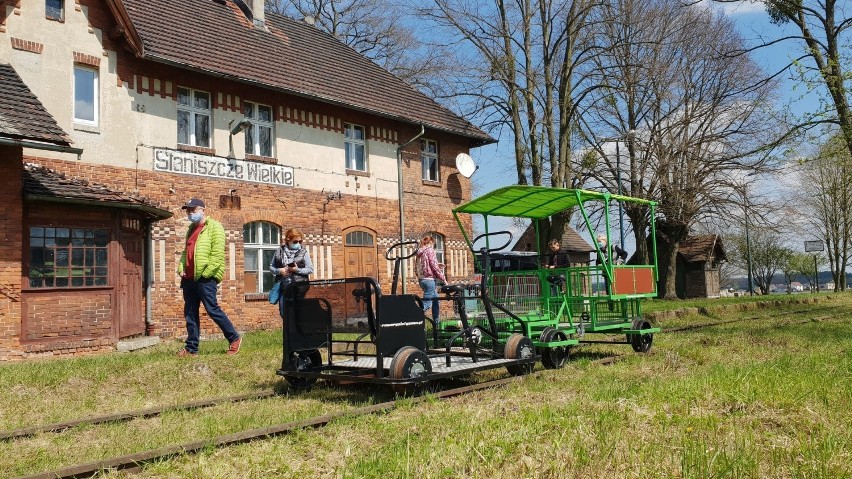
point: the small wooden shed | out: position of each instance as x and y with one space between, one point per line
698 262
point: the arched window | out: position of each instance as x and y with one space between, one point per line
359 238
439 245
260 240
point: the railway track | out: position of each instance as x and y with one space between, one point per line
157 411
692 327
130 415
134 462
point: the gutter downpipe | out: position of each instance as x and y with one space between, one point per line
37 145
399 191
149 280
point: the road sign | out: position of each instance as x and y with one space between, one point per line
811 246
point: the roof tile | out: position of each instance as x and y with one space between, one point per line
702 248
291 56
44 182
571 241
22 116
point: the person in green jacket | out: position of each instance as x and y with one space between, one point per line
202 267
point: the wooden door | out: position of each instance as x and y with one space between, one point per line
359 252
131 296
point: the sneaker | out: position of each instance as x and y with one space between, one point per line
185 352
234 347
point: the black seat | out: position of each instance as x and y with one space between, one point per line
363 295
453 289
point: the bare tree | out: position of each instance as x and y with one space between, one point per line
821 27
826 181
375 29
694 111
526 63
635 38
727 275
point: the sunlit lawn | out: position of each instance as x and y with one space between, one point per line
763 398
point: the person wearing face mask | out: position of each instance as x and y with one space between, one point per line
292 265
202 267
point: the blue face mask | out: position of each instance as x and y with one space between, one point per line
196 217
295 246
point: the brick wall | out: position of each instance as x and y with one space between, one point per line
427 208
77 314
427 204
10 251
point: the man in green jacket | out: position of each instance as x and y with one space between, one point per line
202 267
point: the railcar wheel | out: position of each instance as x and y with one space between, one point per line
555 357
519 346
410 363
641 342
302 361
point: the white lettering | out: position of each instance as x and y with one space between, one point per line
401 325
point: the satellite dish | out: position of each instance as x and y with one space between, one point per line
465 165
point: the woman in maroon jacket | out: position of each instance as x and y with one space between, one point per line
429 271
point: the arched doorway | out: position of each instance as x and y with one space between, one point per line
359 252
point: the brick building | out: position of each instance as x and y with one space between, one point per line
270 121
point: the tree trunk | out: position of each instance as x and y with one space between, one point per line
640 235
670 291
670 235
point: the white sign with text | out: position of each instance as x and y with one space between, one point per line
187 163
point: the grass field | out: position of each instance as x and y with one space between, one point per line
767 397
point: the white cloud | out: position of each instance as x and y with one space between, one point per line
741 7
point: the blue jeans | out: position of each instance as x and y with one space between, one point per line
430 297
200 292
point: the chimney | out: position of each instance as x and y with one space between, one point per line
258 13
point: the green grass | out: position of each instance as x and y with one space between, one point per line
769 397
669 304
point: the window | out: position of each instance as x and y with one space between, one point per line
429 158
54 9
359 238
356 157
193 117
259 136
439 246
85 95
68 257
261 241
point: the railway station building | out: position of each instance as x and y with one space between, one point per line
122 110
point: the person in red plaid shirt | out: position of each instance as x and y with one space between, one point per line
429 272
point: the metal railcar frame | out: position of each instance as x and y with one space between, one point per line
580 298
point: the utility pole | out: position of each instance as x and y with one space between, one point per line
620 203
629 137
748 239
748 245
